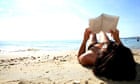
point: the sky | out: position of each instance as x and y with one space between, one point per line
63 19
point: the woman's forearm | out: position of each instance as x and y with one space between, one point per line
83 44
118 41
82 48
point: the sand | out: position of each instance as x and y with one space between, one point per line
38 67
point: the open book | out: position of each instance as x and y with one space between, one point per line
103 22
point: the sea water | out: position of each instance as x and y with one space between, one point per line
55 45
50 45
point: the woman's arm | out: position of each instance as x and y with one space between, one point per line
83 44
115 35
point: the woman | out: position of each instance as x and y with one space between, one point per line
108 58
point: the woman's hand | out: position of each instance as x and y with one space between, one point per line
87 34
115 35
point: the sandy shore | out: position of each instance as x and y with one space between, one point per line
37 67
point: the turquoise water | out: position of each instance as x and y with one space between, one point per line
131 43
55 45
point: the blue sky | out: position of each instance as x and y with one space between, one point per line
63 19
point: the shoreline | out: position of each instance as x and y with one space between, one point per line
36 67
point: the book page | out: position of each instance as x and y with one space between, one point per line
95 24
109 22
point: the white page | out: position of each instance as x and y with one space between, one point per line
103 22
109 22
95 24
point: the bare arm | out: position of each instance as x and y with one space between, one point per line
83 44
115 35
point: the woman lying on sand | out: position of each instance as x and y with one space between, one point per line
110 59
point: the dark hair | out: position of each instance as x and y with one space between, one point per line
118 64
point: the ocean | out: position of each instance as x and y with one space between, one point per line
51 45
54 45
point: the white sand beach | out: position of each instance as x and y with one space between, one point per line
36 67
